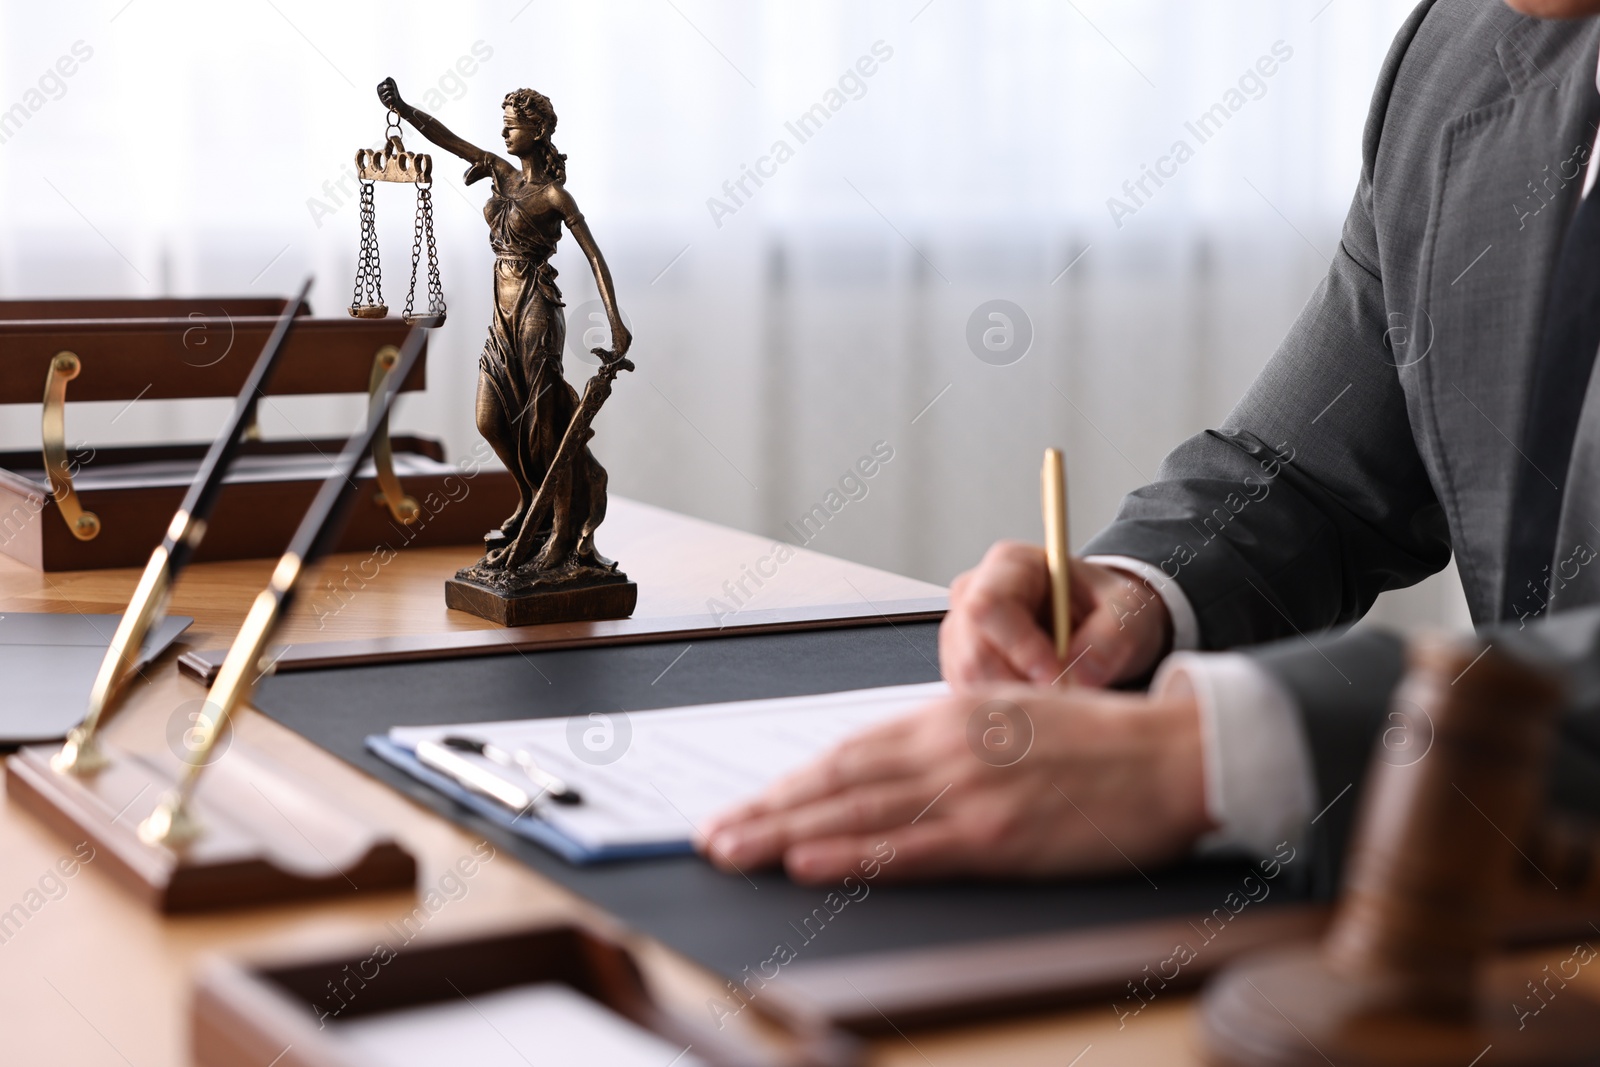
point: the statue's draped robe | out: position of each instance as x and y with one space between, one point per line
522 363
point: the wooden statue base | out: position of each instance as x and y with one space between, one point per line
266 836
1287 1009
609 596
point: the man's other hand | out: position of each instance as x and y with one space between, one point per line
1006 781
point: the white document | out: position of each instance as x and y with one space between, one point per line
549 1024
653 777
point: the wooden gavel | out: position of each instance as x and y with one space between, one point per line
1451 850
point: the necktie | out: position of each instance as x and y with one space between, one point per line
1567 347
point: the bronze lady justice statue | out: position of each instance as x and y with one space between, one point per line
541 565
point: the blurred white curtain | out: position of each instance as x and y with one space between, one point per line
782 334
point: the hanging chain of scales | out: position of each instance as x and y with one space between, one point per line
393 163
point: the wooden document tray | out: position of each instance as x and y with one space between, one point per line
134 350
289 1013
135 490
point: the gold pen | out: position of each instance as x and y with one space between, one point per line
1053 486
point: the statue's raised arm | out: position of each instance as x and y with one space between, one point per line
483 162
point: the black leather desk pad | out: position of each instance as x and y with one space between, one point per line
48 663
722 920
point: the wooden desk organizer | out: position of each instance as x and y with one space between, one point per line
78 509
254 1012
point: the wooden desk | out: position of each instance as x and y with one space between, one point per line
91 978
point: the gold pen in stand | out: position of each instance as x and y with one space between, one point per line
1053 490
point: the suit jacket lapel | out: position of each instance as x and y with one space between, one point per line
1505 192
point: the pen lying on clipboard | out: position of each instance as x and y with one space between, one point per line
446 757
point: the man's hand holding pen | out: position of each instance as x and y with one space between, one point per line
1109 782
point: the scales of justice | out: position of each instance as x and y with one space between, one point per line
541 565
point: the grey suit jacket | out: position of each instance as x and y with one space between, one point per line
1380 437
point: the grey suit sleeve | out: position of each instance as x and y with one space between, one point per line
1341 685
1312 498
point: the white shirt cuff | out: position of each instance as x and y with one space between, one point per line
1185 627
1259 785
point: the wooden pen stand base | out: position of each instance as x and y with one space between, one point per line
266 837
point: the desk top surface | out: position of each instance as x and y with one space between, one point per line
91 977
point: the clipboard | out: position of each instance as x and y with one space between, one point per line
528 826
